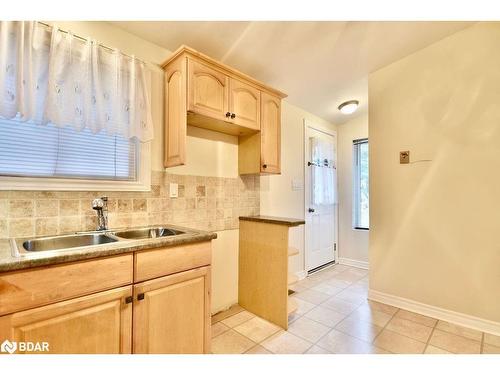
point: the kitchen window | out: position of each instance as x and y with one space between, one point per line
361 201
33 155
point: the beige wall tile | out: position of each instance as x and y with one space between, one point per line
70 224
46 208
21 208
69 207
46 226
140 205
454 343
21 227
4 232
397 343
4 208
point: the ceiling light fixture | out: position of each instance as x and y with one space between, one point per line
349 107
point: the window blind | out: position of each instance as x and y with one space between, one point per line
31 150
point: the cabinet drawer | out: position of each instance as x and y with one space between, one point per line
161 262
26 289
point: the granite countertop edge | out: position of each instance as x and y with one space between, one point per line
8 262
291 222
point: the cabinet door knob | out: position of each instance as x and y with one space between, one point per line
140 296
233 115
264 166
129 299
311 210
228 114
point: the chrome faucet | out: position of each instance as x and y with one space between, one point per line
101 206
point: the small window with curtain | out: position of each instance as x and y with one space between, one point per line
74 114
361 201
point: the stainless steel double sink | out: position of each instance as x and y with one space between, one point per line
84 239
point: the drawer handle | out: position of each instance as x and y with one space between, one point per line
140 296
129 299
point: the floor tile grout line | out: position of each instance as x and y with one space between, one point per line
383 329
430 336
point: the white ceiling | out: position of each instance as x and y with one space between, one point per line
318 64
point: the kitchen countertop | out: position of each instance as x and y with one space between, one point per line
274 220
8 262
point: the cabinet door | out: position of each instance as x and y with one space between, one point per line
172 314
94 324
175 114
244 103
207 91
270 134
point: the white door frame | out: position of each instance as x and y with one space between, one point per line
310 125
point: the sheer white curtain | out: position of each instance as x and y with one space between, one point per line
48 76
323 171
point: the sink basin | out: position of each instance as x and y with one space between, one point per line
144 233
64 242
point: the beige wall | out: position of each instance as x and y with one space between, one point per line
353 243
277 198
434 225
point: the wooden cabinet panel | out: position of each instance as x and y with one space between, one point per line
207 90
22 290
175 113
160 262
98 323
172 314
244 103
271 134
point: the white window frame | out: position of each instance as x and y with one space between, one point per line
143 182
355 184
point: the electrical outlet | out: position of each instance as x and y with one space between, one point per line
404 157
174 190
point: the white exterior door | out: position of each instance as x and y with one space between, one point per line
320 197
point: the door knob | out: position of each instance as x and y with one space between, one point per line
228 114
233 115
311 210
264 166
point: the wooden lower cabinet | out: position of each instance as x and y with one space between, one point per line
99 323
172 314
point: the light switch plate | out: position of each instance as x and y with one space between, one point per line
174 190
404 157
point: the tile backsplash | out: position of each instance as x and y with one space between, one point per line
207 203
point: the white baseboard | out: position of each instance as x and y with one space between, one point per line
354 263
301 274
465 320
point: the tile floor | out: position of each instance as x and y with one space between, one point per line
334 316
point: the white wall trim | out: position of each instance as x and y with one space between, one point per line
465 320
354 263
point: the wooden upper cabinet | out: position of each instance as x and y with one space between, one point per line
207 91
270 153
175 113
99 323
244 104
172 314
